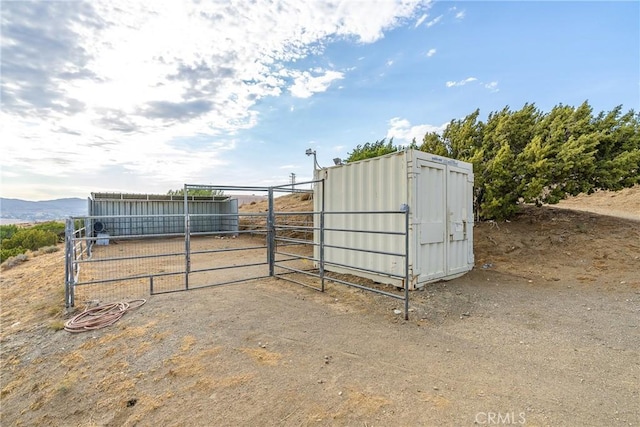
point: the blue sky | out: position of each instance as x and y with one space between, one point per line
132 96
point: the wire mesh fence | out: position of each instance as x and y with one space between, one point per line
109 264
127 257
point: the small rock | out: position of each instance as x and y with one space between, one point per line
320 381
466 314
436 388
396 311
339 393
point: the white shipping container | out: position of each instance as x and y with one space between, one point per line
439 194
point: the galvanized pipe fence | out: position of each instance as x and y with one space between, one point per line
141 259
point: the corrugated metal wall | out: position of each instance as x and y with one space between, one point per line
378 184
145 216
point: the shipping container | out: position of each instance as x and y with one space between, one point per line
439 194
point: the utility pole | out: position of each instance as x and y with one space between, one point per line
293 180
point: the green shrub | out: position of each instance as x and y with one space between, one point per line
8 253
7 231
56 227
30 238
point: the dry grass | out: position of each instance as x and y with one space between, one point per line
208 384
436 400
190 365
262 356
14 261
187 343
355 405
46 250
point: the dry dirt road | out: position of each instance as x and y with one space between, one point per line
544 332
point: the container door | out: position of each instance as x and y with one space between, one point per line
431 221
460 220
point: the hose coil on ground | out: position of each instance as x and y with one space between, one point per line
101 316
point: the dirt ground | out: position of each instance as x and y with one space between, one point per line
545 331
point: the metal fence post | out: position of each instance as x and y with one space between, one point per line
187 238
68 263
321 267
271 235
406 262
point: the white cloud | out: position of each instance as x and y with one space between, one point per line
305 84
434 21
403 132
492 86
119 82
420 20
461 82
289 167
389 62
460 15
431 52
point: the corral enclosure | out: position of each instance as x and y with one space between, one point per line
130 246
403 219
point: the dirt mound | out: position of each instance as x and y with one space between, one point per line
558 244
624 203
295 202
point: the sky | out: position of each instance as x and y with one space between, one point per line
145 96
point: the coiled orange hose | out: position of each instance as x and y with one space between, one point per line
101 316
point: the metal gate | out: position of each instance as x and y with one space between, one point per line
245 246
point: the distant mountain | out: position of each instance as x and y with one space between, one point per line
47 210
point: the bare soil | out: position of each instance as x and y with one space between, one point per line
545 331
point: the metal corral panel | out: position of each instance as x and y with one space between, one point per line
439 193
126 215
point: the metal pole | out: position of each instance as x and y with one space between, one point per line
88 232
270 235
322 237
68 267
187 243
406 263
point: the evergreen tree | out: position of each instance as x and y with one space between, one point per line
433 143
370 150
527 156
618 151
